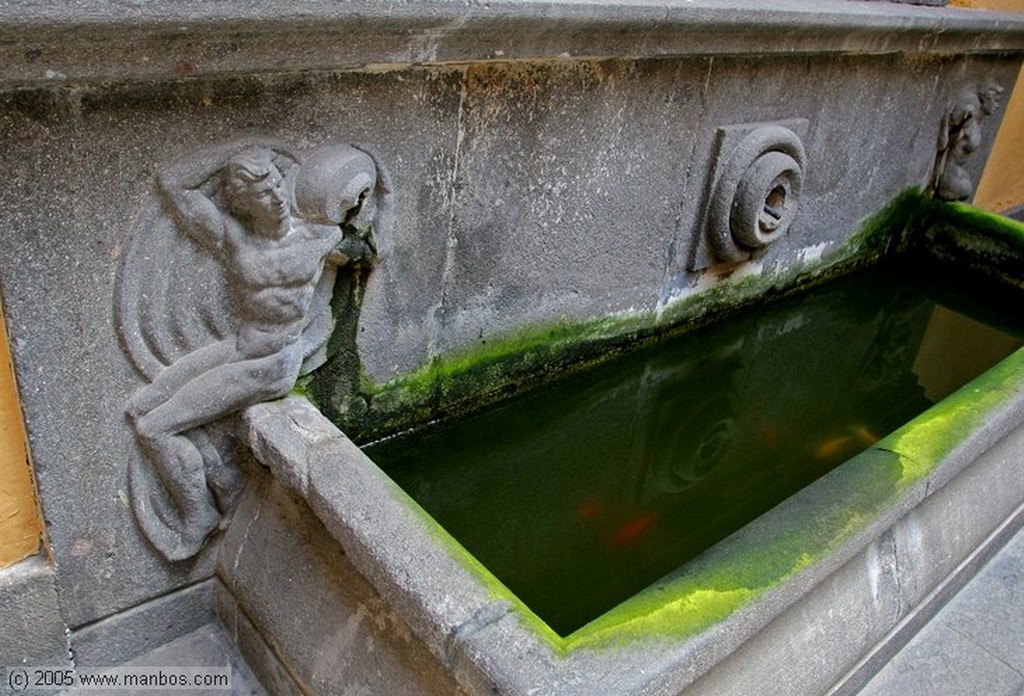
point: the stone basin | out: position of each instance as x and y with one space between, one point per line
352 582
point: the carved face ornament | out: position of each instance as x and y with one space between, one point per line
255 190
267 202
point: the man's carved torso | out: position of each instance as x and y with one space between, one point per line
274 279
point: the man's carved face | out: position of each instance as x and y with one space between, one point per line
267 198
256 190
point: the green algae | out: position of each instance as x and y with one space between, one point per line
302 388
978 228
736 574
889 229
935 434
966 237
451 384
464 380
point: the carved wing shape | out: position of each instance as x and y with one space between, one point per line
171 296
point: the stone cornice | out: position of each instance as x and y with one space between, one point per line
53 41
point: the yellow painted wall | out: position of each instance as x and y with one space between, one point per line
20 526
1000 5
1001 187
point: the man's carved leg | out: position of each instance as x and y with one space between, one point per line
179 466
178 463
179 373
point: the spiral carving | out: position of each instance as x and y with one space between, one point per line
756 195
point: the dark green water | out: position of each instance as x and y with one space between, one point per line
579 493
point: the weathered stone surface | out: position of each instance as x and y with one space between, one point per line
960 134
945 662
991 610
545 229
934 539
31 629
204 648
252 646
110 40
973 645
330 628
846 176
806 649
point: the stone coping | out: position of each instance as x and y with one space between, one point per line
668 636
52 42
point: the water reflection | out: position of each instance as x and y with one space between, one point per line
580 493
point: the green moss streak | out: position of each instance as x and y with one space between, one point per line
459 382
960 233
301 388
938 431
889 228
984 227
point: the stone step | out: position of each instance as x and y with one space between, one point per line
974 645
207 646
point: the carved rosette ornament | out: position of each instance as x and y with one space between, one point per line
755 199
754 191
223 300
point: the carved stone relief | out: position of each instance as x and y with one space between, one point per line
754 191
959 136
224 300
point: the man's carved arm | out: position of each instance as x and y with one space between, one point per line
180 187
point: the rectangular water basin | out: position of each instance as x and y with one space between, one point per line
580 493
764 499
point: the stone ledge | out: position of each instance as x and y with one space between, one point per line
52 43
871 580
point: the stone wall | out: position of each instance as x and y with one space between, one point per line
550 163
532 229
